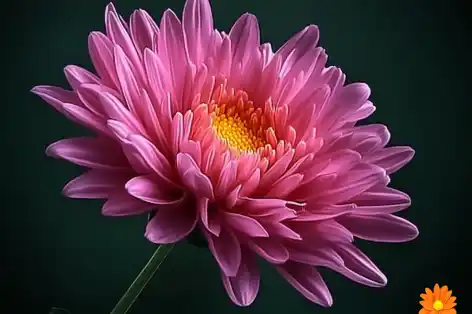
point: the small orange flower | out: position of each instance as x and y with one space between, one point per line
438 301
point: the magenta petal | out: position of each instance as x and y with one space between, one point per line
359 179
209 216
86 118
197 22
148 189
170 225
101 53
142 29
381 200
358 267
88 152
245 37
227 251
244 286
307 280
272 251
245 224
392 158
380 228
123 204
56 96
77 76
95 184
322 256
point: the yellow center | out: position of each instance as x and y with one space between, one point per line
240 126
438 305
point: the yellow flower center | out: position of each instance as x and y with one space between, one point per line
241 126
438 305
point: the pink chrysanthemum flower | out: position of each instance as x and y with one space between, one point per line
257 149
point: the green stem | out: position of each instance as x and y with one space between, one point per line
143 278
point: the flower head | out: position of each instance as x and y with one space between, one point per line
439 301
259 150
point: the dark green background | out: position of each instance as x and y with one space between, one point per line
62 252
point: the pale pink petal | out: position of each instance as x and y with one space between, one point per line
244 286
226 249
170 225
96 183
307 280
123 204
380 227
89 152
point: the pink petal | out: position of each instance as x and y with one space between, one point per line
358 267
354 182
244 286
148 189
116 110
170 225
120 37
171 49
284 186
89 94
86 118
244 37
380 228
135 159
245 225
89 152
197 22
227 251
323 256
307 280
56 96
227 178
128 82
123 204
77 76
381 200
306 37
101 53
209 216
153 158
95 184
272 251
142 29
281 230
193 178
392 158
